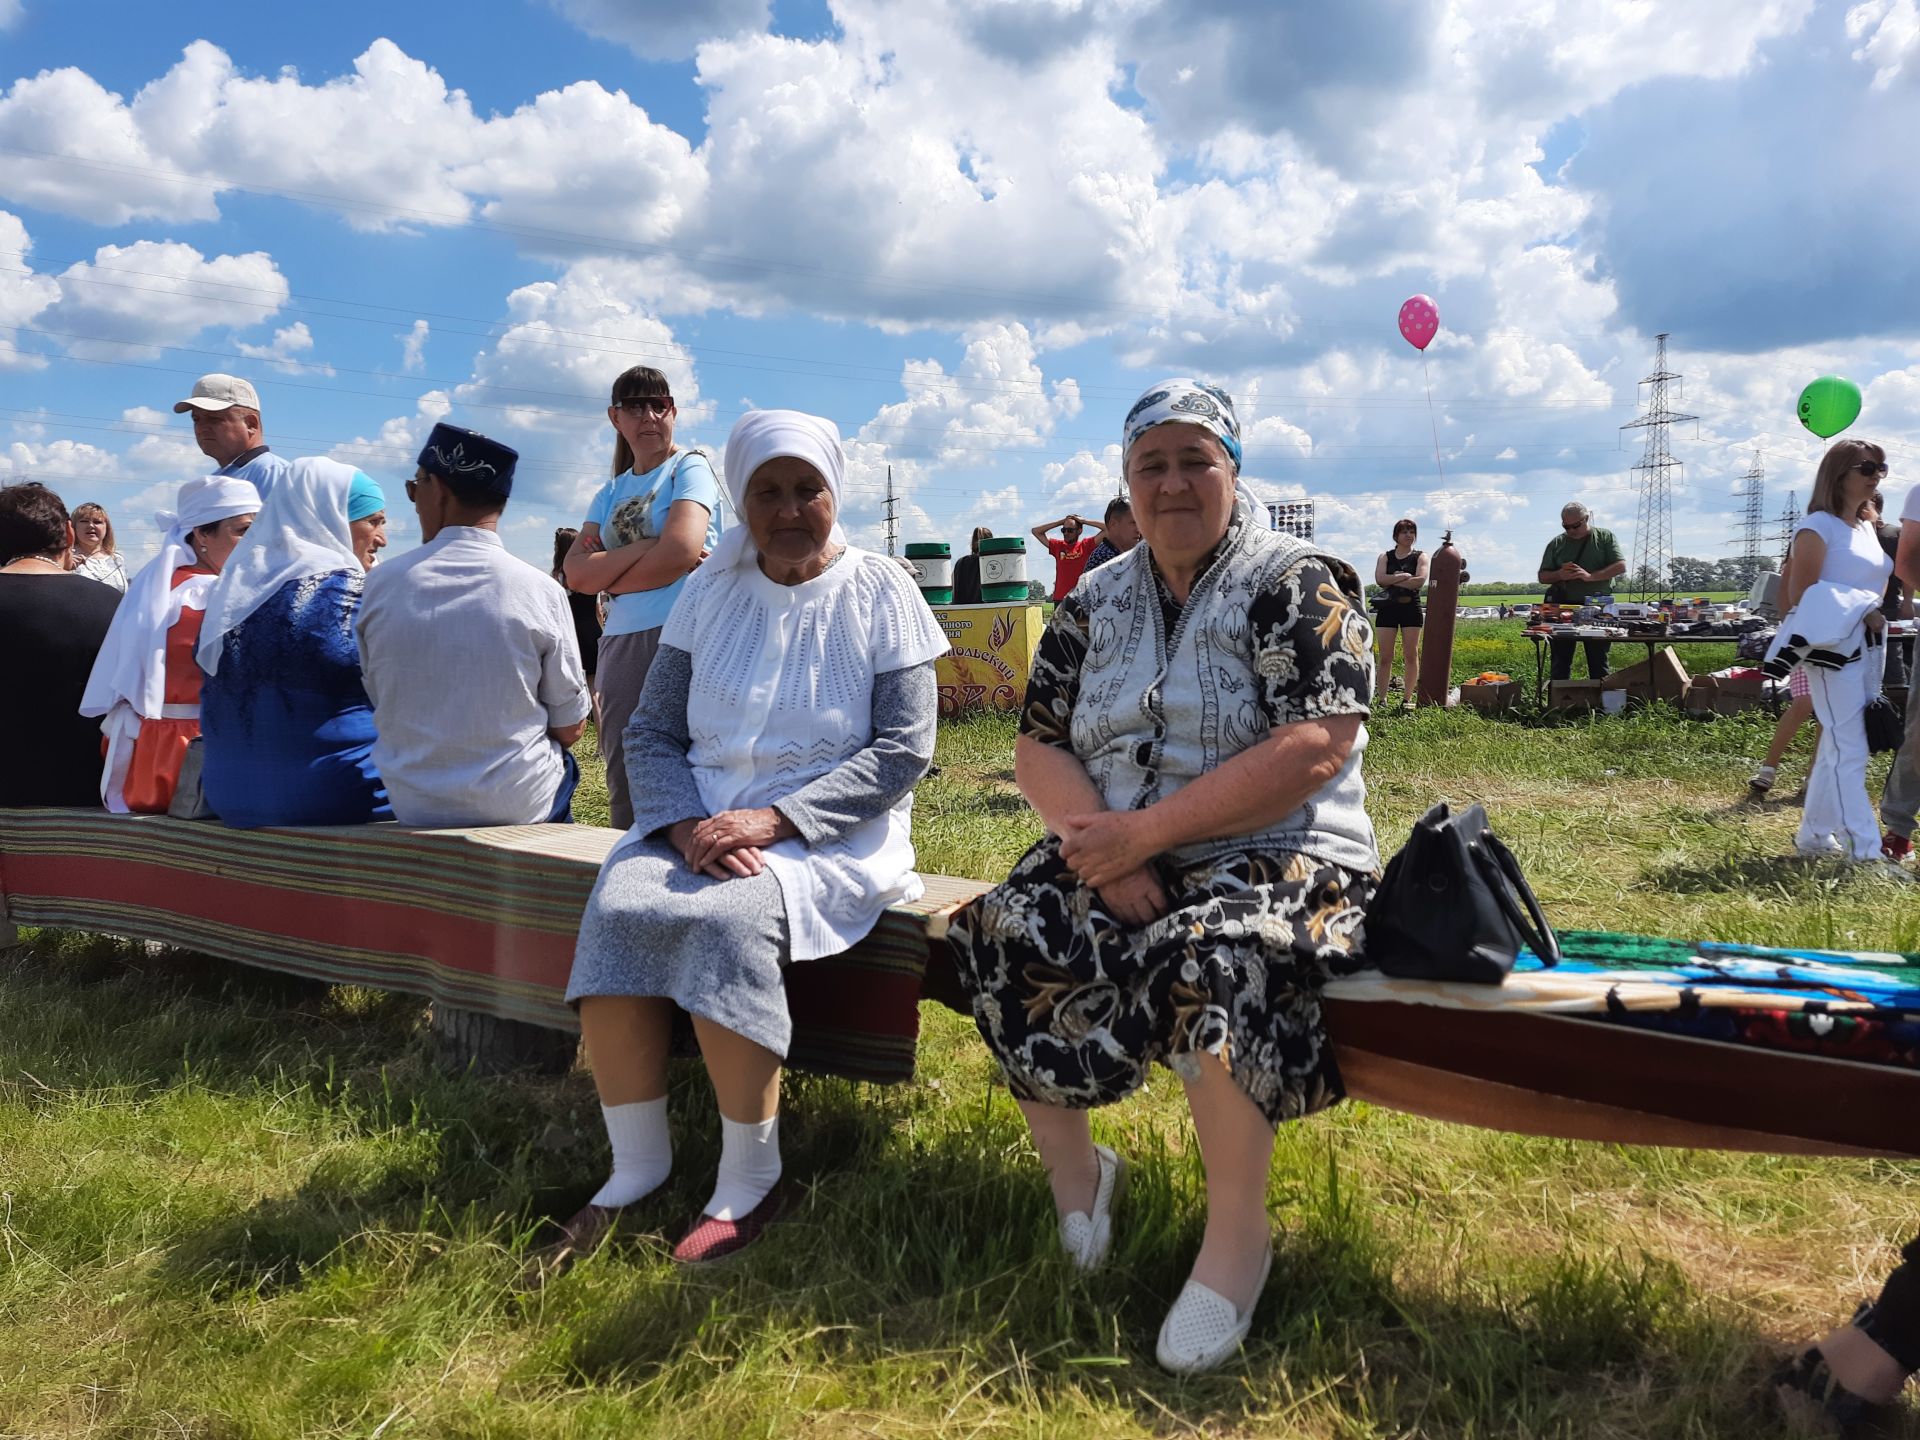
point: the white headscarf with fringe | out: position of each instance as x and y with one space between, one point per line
302 530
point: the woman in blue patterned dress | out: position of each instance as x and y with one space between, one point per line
287 729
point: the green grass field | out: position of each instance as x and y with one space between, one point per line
231 1208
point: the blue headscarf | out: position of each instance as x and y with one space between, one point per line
364 497
1186 402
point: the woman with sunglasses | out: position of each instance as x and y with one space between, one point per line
645 531
1836 574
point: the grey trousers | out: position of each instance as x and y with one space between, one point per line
622 671
1900 801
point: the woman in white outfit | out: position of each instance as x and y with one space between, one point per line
785 720
1836 575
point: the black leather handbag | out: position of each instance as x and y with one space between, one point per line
1453 905
1886 726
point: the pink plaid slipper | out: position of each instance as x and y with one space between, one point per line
712 1239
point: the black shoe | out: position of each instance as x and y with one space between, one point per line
1809 1395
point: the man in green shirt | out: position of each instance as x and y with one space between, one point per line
1579 566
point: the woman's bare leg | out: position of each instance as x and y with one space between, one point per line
1065 1142
627 1039
1791 719
745 1075
1236 1146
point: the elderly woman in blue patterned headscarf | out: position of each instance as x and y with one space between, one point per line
1192 738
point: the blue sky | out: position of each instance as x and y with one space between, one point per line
969 231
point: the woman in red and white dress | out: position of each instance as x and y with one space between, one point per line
145 684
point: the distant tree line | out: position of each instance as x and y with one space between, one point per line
1687 573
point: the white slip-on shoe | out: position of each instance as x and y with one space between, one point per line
1087 1237
1203 1329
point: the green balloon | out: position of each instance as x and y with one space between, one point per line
1829 405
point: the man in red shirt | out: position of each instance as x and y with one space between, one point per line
1070 551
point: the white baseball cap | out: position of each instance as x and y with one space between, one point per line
219 392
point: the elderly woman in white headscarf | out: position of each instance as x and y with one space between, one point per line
145 684
1191 736
287 727
773 755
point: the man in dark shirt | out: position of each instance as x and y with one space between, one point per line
1121 535
52 623
1579 567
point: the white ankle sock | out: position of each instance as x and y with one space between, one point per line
749 1166
642 1151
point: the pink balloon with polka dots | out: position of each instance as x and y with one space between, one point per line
1419 321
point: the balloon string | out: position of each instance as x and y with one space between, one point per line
1438 463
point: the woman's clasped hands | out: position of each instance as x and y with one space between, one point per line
731 843
1113 851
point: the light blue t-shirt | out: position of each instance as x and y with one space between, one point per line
632 507
260 466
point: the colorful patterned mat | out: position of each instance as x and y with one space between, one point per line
1853 1005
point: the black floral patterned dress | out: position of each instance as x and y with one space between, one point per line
1076 1005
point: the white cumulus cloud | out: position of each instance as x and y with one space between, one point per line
132 299
413 347
565 340
1889 36
996 399
23 294
286 350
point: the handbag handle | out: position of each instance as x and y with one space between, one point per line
1504 878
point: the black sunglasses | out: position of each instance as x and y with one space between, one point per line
1875 468
645 404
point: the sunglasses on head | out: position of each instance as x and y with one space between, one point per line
1875 468
645 404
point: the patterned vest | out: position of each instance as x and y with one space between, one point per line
1156 711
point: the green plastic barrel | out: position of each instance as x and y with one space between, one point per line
933 563
1003 569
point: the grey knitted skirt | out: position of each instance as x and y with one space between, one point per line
716 948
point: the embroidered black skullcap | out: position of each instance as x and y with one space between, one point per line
468 461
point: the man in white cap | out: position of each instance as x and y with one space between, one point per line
226 423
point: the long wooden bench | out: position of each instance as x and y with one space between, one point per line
482 922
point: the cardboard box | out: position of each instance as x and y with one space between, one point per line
1492 699
1732 694
1700 695
1662 678
1575 694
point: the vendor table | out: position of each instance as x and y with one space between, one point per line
1652 642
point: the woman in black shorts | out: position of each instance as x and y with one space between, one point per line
1401 573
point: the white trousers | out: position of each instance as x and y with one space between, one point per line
1838 808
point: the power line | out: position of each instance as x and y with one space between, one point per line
944 431
712 259
628 347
